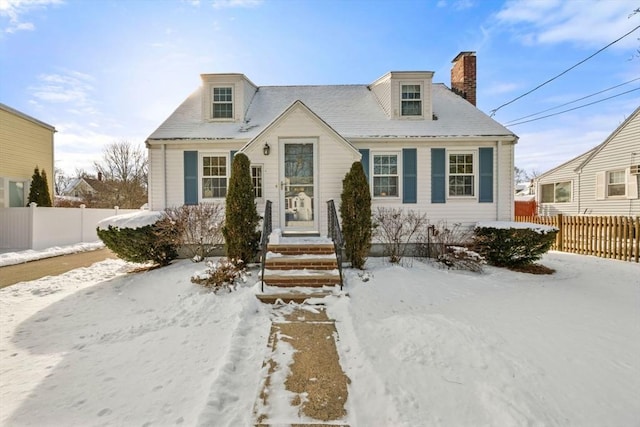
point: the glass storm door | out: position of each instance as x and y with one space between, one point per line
297 186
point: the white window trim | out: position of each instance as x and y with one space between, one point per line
261 166
607 184
422 100
398 155
233 102
555 183
201 156
475 174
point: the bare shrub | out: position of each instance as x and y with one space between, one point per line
444 236
221 274
199 228
395 228
461 258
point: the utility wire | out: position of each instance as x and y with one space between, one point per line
494 111
571 102
575 108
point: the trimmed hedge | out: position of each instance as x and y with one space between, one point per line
513 247
155 242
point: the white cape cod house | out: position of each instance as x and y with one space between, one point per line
423 146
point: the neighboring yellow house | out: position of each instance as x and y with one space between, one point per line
25 143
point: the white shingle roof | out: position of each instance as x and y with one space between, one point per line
352 110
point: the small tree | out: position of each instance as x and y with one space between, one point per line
355 212
39 190
241 217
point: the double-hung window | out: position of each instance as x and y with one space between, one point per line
616 183
411 100
214 177
385 175
256 179
558 192
461 175
222 103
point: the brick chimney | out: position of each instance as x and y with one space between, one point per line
463 76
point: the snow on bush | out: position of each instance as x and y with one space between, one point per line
461 258
144 236
131 220
513 244
220 274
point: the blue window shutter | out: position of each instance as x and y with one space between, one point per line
365 163
190 177
486 175
409 175
233 153
438 175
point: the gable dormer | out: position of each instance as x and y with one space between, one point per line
405 95
226 97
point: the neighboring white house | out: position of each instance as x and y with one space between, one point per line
423 147
602 181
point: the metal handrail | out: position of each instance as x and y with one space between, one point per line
267 227
335 234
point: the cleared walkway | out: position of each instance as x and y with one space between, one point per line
312 385
33 270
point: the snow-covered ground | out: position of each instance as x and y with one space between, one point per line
423 347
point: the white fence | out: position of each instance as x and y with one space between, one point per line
41 228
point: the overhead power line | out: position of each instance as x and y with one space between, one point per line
571 102
575 108
494 111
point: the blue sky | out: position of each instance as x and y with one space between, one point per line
102 71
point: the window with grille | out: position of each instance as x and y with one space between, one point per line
411 100
222 103
214 177
616 183
461 175
256 179
385 175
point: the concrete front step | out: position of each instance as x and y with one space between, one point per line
301 249
295 297
312 279
301 263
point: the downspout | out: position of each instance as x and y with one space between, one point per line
578 192
164 176
497 168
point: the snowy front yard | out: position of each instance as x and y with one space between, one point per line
422 346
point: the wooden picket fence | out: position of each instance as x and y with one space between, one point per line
616 237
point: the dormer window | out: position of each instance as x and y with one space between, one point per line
411 100
222 103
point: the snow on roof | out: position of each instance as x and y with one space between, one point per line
131 220
352 110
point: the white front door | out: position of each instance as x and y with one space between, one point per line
297 184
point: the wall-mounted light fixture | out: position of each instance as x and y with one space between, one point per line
266 149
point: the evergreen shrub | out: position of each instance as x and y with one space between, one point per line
240 229
155 243
513 246
355 214
39 190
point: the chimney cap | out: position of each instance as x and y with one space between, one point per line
464 53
